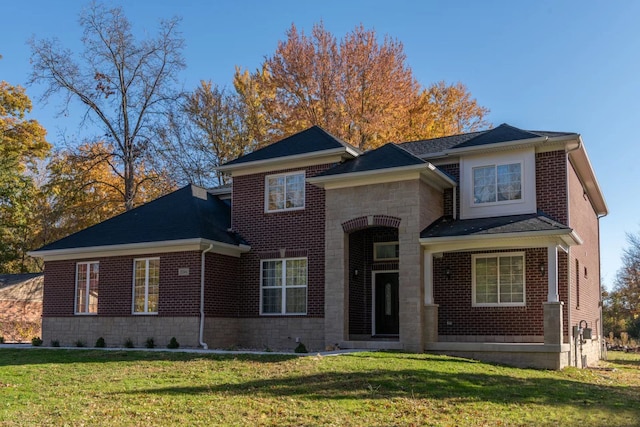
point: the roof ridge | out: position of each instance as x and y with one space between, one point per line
403 150
443 137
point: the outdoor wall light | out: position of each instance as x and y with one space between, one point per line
541 268
355 273
447 272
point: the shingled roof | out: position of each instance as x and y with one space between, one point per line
448 227
308 141
183 214
502 133
388 156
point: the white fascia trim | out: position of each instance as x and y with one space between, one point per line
502 240
582 165
377 176
283 160
166 246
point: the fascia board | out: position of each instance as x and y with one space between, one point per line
580 161
378 176
499 146
284 162
501 240
167 246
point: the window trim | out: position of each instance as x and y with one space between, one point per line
146 287
75 298
499 304
498 202
283 295
375 251
285 174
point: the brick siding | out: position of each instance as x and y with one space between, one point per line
551 184
297 232
178 295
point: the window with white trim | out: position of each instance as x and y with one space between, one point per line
497 183
498 279
87 278
283 284
146 285
284 192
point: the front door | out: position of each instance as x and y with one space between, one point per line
386 306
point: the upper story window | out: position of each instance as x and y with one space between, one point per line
87 287
497 183
284 192
146 285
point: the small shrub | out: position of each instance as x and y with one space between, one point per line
173 343
100 343
55 343
1 339
79 343
128 343
36 341
301 348
149 343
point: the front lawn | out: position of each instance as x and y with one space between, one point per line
114 388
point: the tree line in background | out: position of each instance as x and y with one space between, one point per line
621 306
155 136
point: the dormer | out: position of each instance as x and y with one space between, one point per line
497 173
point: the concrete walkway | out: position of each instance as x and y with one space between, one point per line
189 350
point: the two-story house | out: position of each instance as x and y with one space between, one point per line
483 245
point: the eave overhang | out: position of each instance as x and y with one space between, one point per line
333 155
580 161
526 239
142 248
426 172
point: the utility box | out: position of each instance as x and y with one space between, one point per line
586 333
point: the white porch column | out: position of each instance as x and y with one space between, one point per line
430 319
552 267
428 278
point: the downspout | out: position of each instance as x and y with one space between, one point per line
201 333
570 265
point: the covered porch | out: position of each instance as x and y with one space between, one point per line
494 289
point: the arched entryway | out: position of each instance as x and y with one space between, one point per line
373 286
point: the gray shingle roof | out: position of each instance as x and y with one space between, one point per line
308 141
448 227
176 216
502 133
388 156
437 145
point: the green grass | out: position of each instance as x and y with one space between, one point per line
114 388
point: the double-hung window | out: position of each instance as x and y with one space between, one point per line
498 279
284 192
87 287
146 281
497 183
283 286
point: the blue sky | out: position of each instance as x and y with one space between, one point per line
547 65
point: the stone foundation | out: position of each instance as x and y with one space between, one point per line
281 333
539 356
116 330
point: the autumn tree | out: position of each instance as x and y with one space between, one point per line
622 306
358 88
22 143
85 188
125 84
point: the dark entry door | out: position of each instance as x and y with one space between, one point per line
386 304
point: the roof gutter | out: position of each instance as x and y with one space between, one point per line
201 332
